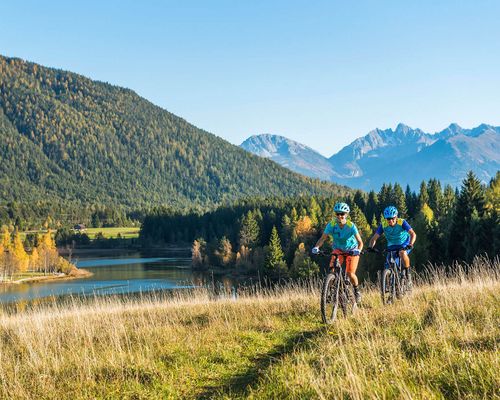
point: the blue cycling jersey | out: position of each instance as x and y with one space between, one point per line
344 237
397 236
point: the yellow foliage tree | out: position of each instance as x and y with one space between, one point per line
304 226
5 238
48 256
19 255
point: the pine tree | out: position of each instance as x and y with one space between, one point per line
435 196
249 230
400 201
423 195
274 260
372 206
470 208
314 212
359 200
361 223
384 197
411 202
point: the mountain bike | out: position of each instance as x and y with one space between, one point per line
393 279
337 290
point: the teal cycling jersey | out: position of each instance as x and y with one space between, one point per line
396 235
344 237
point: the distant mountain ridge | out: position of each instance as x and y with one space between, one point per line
403 155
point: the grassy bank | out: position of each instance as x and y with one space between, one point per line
441 342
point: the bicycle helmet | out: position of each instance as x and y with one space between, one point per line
390 212
341 208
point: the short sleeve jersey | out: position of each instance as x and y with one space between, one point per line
343 237
396 235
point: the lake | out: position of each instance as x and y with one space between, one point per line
119 274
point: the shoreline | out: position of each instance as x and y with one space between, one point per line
75 274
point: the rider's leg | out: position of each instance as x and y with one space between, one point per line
351 265
403 255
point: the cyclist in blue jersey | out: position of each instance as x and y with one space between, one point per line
346 238
399 235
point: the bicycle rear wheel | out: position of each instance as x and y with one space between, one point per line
330 298
387 286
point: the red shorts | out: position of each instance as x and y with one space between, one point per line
349 265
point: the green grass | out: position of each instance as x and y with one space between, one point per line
440 342
108 233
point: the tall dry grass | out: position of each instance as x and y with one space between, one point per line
440 342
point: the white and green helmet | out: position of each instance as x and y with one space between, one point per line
341 208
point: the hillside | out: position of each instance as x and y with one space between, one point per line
440 342
64 137
372 160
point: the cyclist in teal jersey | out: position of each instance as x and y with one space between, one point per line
346 238
399 234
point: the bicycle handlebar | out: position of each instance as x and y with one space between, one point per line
385 251
348 253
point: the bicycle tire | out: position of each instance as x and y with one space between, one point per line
348 302
387 286
330 298
400 285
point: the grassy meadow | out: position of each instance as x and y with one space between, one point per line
112 233
439 342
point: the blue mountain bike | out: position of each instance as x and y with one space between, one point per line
394 283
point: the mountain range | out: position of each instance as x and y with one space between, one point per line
67 138
404 155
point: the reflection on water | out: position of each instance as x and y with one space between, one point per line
117 275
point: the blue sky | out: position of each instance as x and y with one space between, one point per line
322 73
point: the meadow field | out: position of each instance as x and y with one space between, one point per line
112 233
441 342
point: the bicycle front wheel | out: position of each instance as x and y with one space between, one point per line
401 285
387 286
330 298
347 300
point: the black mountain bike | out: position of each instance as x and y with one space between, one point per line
337 291
393 279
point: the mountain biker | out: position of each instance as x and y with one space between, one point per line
346 238
399 235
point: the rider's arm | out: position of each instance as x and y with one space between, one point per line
413 236
373 240
323 237
360 242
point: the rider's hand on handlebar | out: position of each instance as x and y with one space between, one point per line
409 247
315 250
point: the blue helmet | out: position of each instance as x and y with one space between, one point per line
390 212
341 208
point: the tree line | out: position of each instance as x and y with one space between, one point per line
43 215
274 236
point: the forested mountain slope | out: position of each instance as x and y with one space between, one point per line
68 138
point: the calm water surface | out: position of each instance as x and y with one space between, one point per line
119 274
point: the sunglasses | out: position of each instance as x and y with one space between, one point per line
391 219
340 214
